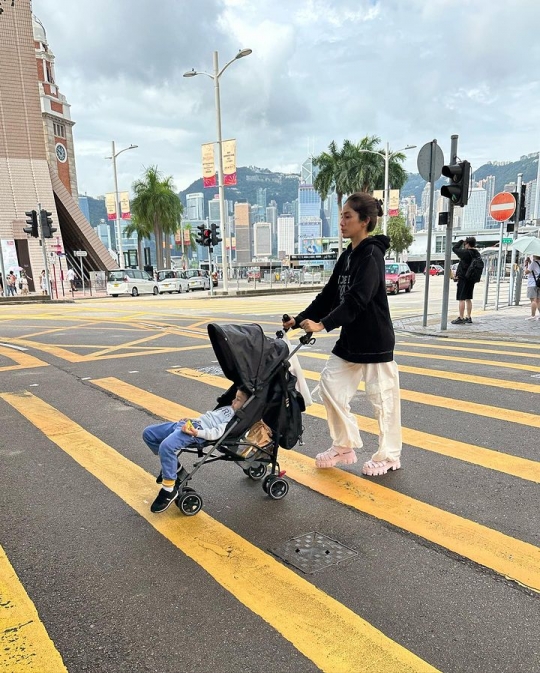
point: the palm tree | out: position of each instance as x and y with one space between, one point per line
356 167
157 207
142 231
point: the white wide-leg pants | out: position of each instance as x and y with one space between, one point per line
339 383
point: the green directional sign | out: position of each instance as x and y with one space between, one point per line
508 240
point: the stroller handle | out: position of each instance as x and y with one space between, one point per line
304 340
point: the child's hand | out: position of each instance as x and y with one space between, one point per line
189 429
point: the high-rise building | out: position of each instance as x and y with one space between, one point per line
194 206
530 200
213 210
309 203
262 239
473 215
243 234
488 183
271 216
308 172
285 235
37 156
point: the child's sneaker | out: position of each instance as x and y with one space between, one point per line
334 456
376 468
164 500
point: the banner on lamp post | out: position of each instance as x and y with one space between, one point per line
187 237
110 205
125 210
208 165
393 203
229 162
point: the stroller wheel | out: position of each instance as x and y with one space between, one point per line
256 472
276 487
189 503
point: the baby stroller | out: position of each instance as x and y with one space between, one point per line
260 364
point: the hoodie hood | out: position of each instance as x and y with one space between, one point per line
380 241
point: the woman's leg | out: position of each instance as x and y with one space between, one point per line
382 390
339 383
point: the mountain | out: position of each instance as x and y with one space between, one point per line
504 172
280 187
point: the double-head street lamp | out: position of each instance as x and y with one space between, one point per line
117 219
387 155
215 76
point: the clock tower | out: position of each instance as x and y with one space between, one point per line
56 115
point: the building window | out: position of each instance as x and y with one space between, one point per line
440 245
59 130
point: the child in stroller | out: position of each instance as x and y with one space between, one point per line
167 440
258 413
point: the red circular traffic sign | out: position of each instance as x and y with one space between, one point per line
502 206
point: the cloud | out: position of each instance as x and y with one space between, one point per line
321 70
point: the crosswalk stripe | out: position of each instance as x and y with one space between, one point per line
465 406
470 453
467 349
23 360
472 361
508 556
317 624
25 646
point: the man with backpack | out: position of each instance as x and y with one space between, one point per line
468 273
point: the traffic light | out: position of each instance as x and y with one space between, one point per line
458 189
200 235
31 219
215 234
207 235
46 223
522 206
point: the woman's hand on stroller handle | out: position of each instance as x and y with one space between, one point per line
288 322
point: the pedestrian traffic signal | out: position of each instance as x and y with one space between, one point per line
200 235
458 188
215 234
522 204
207 234
46 224
31 219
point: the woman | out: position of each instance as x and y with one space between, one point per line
43 283
532 271
24 283
355 300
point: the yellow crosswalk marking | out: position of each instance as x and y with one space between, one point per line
314 622
508 556
25 646
23 360
470 361
467 349
470 453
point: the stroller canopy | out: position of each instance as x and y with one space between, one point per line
246 355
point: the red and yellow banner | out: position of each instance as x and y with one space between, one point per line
110 205
208 165
125 209
229 162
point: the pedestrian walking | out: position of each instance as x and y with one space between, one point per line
11 284
532 271
43 283
466 251
355 300
70 276
23 282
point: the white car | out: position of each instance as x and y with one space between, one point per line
171 280
130 281
198 279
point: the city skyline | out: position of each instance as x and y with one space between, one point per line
310 57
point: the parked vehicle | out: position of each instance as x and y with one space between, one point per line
398 277
253 274
172 280
130 281
435 270
198 279
312 277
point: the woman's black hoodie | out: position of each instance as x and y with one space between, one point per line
355 300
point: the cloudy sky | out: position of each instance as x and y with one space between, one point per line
407 71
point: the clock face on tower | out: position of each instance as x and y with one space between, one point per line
61 153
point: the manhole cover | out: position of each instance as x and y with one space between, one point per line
215 371
312 552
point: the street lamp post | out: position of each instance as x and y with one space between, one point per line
222 215
387 155
117 219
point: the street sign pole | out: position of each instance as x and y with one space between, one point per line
448 250
501 208
499 262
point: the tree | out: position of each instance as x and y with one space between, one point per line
157 207
356 167
399 233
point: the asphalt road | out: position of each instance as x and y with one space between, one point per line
446 570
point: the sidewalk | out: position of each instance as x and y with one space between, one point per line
509 323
